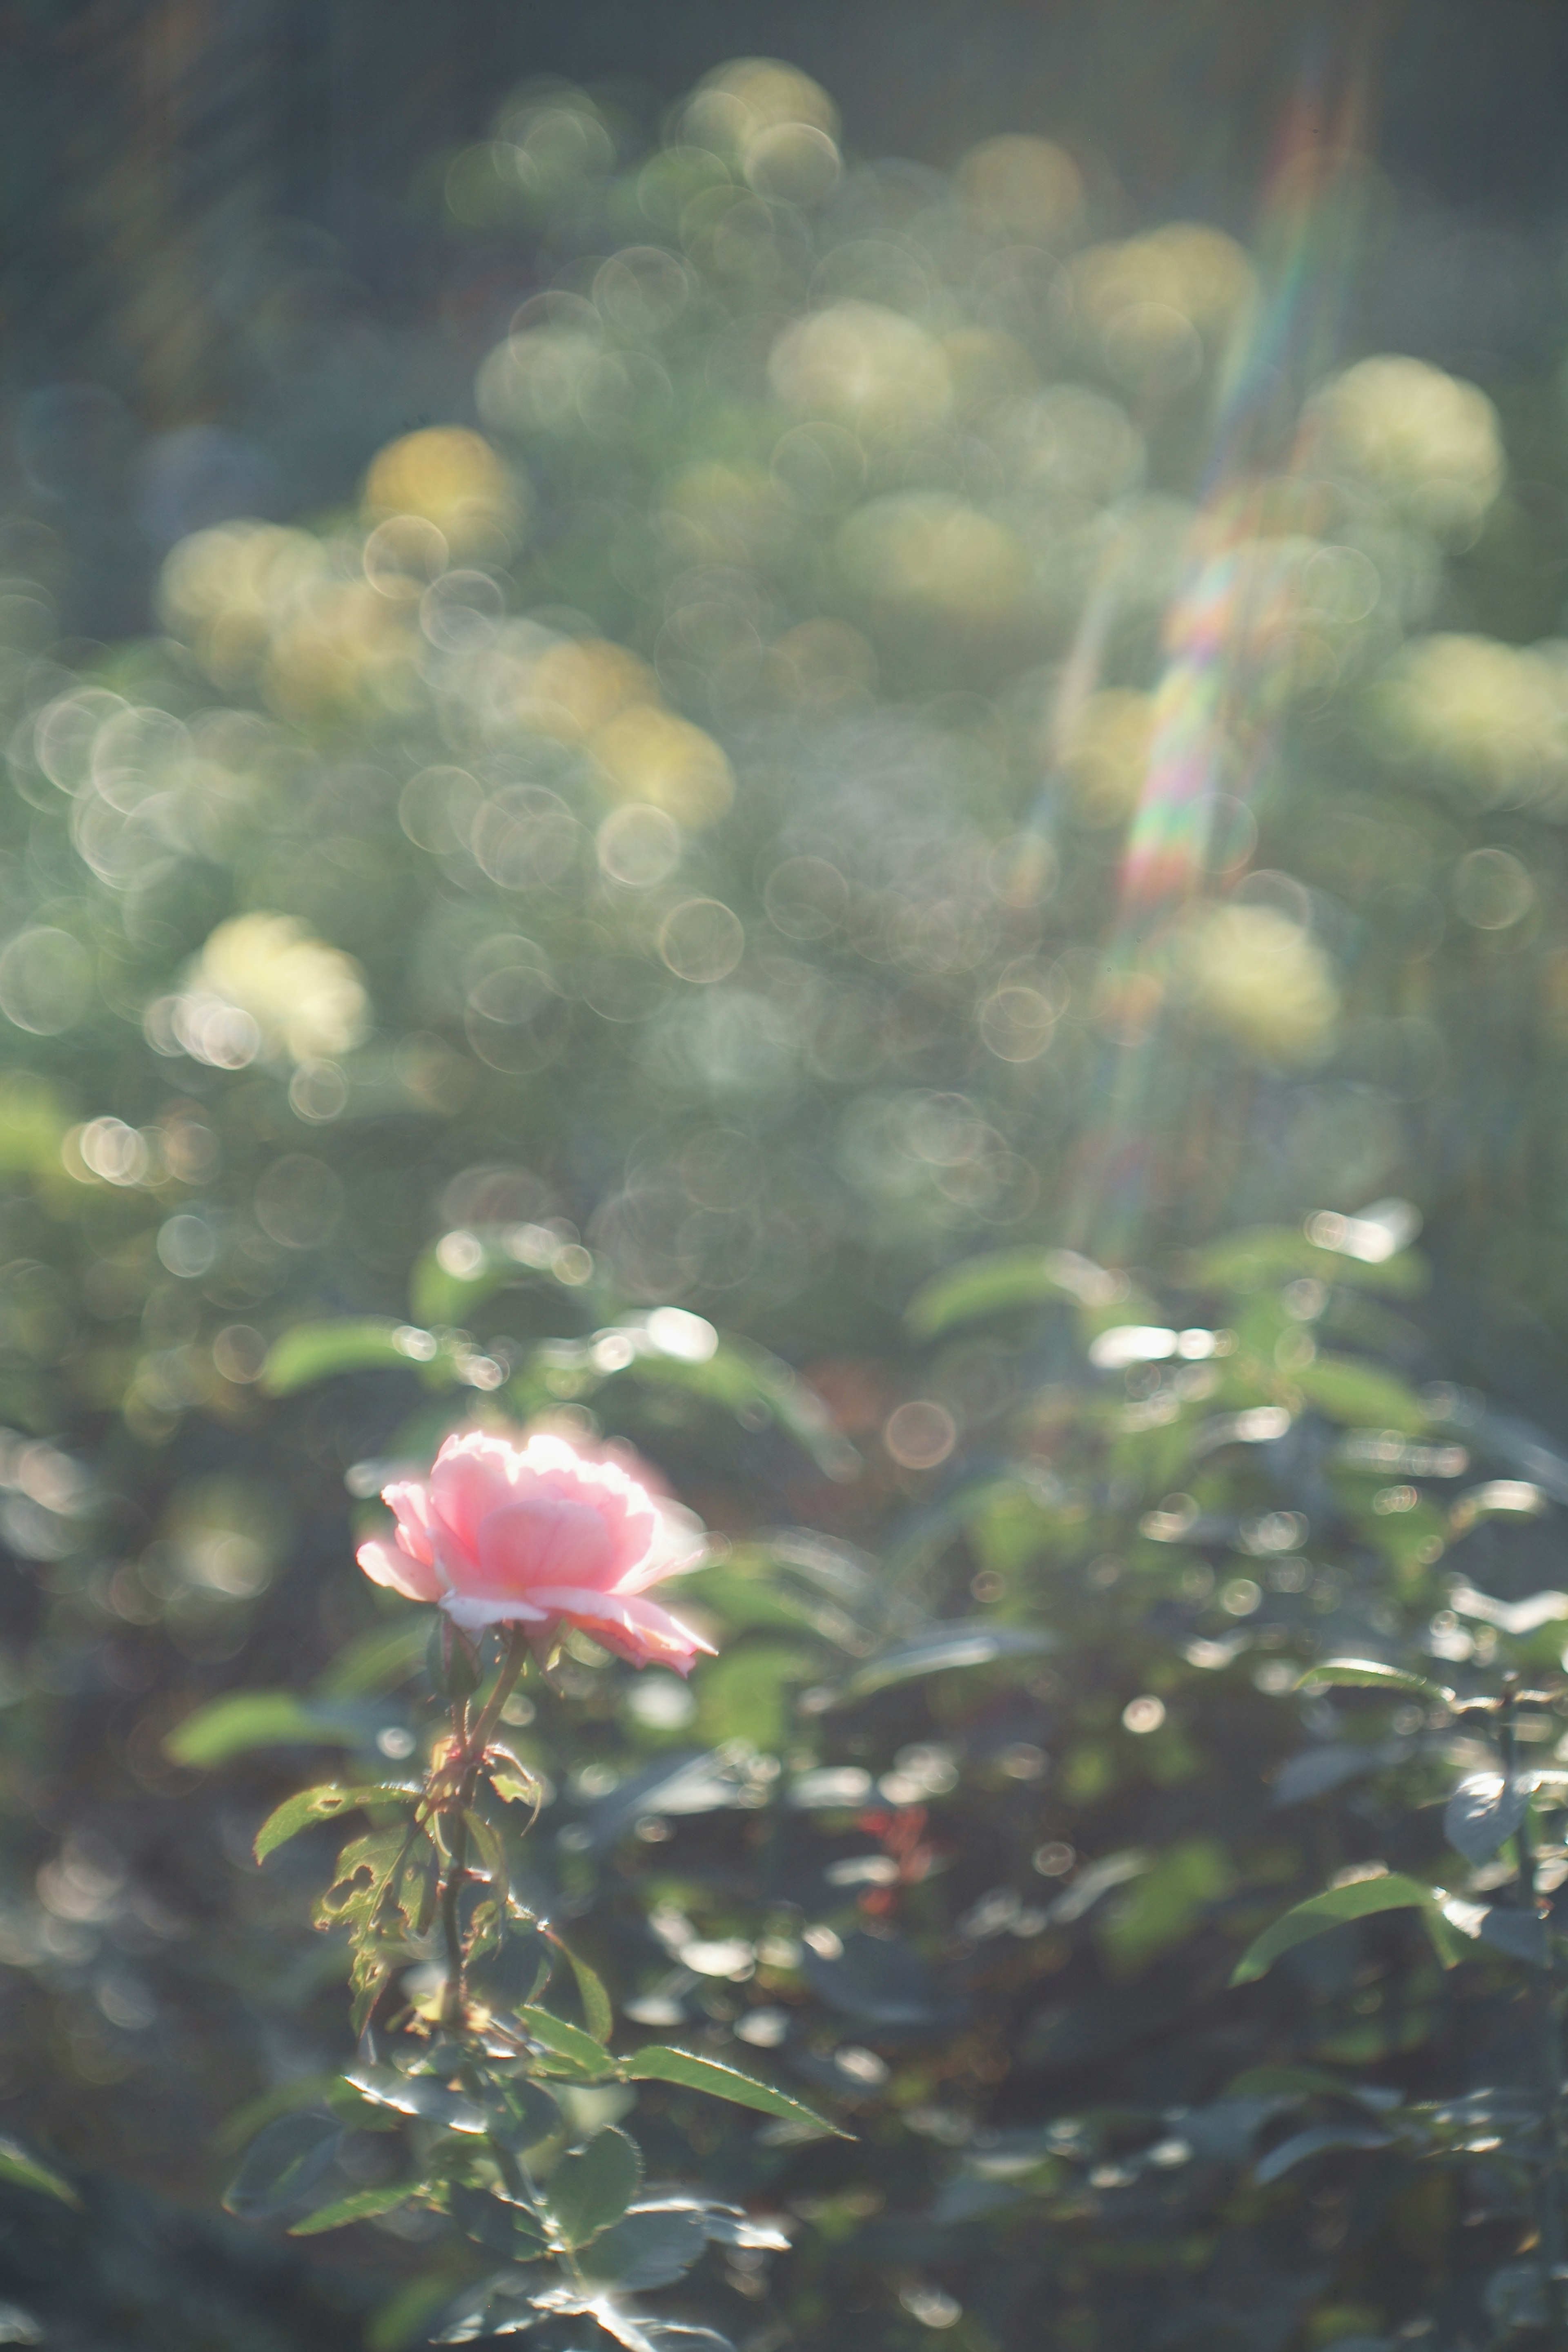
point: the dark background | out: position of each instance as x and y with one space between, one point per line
134 135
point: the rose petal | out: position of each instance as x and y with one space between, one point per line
473 1476
410 1504
538 1541
679 1542
472 1611
387 1563
638 1630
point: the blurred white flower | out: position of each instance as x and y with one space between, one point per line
263 986
1260 980
1490 718
1428 443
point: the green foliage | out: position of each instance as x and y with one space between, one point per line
324 1804
637 920
229 1726
695 2073
1362 1898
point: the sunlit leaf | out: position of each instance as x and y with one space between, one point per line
22 2170
1369 1674
1483 1811
639 2335
325 1804
417 2094
581 2053
644 2251
658 2063
364 1876
363 2207
1362 1899
598 2014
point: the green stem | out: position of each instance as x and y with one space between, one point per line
1549 2176
451 1926
512 1665
470 1744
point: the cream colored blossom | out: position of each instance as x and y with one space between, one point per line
264 979
1260 980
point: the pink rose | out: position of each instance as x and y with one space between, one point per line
540 1531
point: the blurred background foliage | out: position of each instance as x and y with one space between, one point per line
890 827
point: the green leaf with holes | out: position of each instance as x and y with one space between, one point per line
325 1804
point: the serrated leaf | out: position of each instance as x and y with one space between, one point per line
1335 1908
597 2013
592 2187
645 2250
325 1804
21 2170
282 2165
248 1719
1317 2141
1484 1812
956 1642
660 2063
1370 1674
363 2207
580 2052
